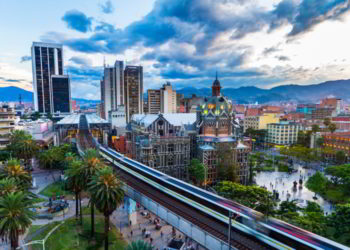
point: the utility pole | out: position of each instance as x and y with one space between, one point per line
229 229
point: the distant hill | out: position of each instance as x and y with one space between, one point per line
300 93
250 94
11 94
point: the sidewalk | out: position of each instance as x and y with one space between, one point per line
120 219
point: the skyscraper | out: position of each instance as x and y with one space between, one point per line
133 83
61 94
167 99
112 88
47 60
153 101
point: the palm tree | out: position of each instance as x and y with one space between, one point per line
139 245
22 146
76 183
92 164
8 185
14 170
332 127
15 215
107 192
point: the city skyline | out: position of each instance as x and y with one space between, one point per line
260 43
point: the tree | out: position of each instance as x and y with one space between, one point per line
304 138
22 146
332 127
340 157
339 221
317 183
35 116
107 193
287 207
7 186
139 245
315 128
313 207
15 215
91 165
340 175
14 170
250 196
75 181
326 122
226 168
197 171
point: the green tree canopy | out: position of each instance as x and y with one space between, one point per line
317 182
13 170
139 245
107 193
250 196
15 216
197 171
340 157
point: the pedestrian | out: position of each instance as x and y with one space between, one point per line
161 234
151 240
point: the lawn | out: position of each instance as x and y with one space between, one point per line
56 188
73 236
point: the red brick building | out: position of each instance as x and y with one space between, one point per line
338 141
342 123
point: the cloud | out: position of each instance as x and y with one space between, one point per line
84 72
283 58
77 20
107 7
313 12
26 59
270 50
81 60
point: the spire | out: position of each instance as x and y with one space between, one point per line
216 77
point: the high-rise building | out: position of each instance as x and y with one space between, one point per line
153 101
112 88
47 61
167 99
133 83
61 94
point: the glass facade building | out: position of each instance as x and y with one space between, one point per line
61 94
47 60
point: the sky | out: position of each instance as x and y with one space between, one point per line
263 43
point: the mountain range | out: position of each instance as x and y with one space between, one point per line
299 93
243 95
11 94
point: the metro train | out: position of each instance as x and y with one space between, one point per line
274 233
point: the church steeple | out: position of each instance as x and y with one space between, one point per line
216 86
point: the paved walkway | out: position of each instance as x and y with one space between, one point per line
283 183
120 219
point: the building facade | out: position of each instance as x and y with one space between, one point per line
216 132
167 99
162 141
112 88
283 133
47 61
7 124
61 94
153 101
133 83
338 142
260 121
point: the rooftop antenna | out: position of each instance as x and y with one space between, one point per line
20 99
216 76
104 62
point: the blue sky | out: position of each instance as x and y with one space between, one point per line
264 43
